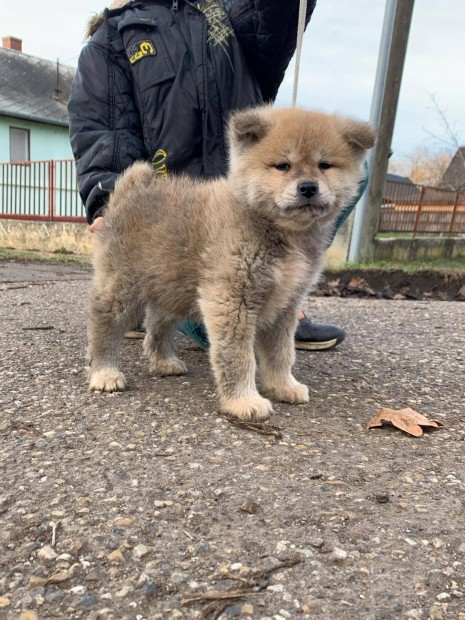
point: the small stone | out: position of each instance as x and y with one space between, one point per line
382 498
176 614
278 587
116 556
150 589
435 614
139 552
123 521
236 566
124 592
89 600
443 596
37 582
4 602
461 549
414 614
338 555
97 574
250 508
47 554
60 576
318 543
162 503
28 615
247 609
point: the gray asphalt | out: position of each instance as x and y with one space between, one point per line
128 506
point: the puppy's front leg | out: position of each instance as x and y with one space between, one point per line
231 331
276 354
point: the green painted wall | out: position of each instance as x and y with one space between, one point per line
46 141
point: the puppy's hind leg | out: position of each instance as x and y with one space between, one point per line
112 312
159 344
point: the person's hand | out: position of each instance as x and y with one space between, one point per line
96 224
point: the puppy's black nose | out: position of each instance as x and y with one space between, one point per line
308 189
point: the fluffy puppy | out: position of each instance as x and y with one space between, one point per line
239 253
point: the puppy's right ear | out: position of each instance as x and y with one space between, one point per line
248 127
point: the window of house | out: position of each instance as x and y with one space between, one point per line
19 144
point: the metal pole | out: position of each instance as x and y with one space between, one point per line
375 117
400 34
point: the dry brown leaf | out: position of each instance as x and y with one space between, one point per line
407 420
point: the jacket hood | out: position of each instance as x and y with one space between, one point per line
96 20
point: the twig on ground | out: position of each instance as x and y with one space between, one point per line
258 427
250 587
54 531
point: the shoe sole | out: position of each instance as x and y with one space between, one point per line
134 335
316 346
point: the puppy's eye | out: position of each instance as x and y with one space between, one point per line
325 165
283 166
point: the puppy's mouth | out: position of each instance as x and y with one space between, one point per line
311 206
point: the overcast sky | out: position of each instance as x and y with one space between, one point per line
338 60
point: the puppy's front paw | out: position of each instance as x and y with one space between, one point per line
296 393
248 408
168 367
107 380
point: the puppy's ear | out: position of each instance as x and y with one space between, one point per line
248 127
360 136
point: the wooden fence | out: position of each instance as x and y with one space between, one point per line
420 209
47 191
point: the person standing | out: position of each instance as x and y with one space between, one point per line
158 79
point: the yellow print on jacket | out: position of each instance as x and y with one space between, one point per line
140 50
219 32
159 163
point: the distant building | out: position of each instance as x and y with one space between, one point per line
398 188
33 106
395 178
454 176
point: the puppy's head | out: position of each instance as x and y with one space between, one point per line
296 166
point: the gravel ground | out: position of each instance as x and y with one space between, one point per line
127 506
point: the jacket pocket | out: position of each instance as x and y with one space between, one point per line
146 52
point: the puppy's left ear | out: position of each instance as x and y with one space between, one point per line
360 136
248 127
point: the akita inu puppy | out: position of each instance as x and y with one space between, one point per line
239 253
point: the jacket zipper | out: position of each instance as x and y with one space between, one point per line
175 5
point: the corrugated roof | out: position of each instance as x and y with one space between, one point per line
28 87
397 178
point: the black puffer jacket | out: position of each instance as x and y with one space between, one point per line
158 78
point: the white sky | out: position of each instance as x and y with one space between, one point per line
339 59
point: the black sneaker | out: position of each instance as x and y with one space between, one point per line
317 336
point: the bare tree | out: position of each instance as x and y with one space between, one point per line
451 138
422 166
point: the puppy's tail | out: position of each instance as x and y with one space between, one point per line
136 177
139 175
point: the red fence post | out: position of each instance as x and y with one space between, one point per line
51 190
420 204
454 212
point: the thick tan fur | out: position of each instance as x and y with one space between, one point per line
239 253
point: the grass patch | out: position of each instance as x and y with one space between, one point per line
49 257
431 264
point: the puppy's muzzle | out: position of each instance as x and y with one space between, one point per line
308 189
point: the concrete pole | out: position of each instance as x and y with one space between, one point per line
385 100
